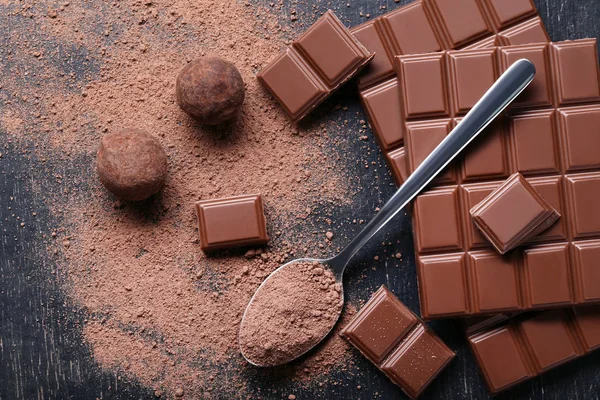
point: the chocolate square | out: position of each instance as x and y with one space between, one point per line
384 112
539 92
423 83
500 358
505 12
547 276
587 323
576 66
453 14
486 158
330 49
587 266
534 143
421 139
410 29
231 222
512 214
398 164
291 81
444 279
473 73
439 226
495 281
418 361
582 197
580 135
547 335
381 66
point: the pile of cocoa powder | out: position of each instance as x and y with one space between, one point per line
290 313
158 310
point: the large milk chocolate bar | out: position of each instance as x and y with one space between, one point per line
551 135
425 26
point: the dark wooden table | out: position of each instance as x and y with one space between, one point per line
42 353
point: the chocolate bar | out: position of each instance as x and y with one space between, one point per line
315 65
529 345
546 136
231 222
513 214
398 342
425 26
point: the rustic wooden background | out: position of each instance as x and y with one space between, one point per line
42 354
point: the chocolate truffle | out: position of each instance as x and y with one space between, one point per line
211 90
132 164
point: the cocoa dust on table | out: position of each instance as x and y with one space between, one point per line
158 310
293 310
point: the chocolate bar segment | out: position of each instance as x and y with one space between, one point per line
397 162
315 65
397 342
529 345
383 109
231 222
543 137
380 68
512 214
505 12
425 26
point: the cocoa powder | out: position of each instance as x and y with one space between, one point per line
292 311
157 309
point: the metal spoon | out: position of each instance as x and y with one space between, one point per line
493 103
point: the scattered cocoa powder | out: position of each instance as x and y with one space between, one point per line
293 310
157 309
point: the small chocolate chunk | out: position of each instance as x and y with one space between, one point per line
398 343
211 90
513 214
131 164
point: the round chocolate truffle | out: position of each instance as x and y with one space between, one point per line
132 164
211 90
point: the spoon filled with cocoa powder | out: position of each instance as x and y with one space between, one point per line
297 306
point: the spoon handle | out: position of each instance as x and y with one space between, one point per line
493 102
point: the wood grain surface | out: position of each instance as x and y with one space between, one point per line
42 353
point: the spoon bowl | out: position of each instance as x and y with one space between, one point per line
320 274
493 103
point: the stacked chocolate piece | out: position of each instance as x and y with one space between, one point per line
512 226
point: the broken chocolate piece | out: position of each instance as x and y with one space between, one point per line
398 342
315 65
513 213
